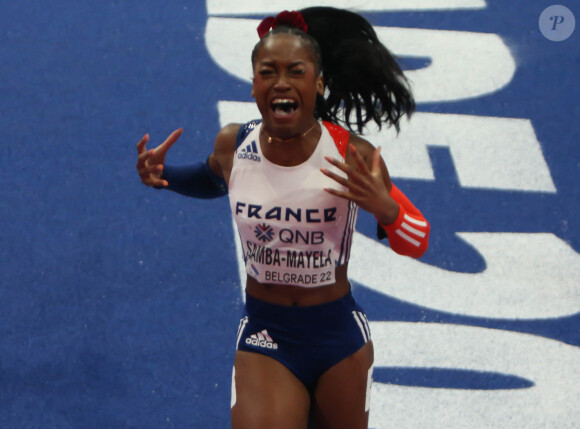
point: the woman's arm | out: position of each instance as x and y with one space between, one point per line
369 185
199 180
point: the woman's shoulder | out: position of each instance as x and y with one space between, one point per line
343 138
226 137
231 135
364 148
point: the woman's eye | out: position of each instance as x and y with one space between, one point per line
266 72
298 72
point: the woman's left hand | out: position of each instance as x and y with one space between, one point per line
365 187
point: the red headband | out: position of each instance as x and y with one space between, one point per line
286 18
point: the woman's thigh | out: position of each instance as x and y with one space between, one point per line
340 400
267 395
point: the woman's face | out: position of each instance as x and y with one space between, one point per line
285 85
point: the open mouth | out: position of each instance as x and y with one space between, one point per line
284 106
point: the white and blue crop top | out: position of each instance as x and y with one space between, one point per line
292 231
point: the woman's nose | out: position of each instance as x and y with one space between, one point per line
282 82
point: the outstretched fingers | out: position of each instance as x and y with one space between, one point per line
339 179
150 162
363 184
150 173
142 153
359 161
171 139
343 166
348 182
376 164
141 146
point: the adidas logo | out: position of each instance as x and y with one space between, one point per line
250 152
262 339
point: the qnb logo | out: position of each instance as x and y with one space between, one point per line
264 232
250 152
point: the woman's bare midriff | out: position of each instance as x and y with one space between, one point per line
300 296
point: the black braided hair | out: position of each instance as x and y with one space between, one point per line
360 74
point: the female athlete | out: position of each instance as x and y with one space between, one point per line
295 179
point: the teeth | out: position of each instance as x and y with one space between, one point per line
285 101
284 106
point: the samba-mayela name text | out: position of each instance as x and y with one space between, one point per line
291 258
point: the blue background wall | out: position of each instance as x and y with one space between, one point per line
119 304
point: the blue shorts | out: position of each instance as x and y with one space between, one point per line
307 340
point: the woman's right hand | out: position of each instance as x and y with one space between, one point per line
150 162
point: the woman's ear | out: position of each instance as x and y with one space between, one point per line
252 93
320 85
